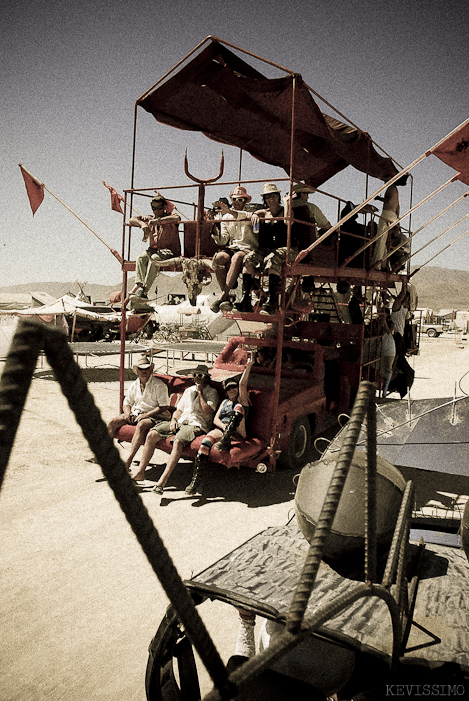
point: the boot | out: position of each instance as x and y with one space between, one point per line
271 306
224 444
245 305
201 461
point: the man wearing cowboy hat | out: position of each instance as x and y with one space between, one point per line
193 417
161 231
237 238
145 405
272 251
300 194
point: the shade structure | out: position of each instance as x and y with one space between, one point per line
219 94
424 434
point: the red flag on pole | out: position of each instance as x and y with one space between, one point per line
34 188
116 199
454 151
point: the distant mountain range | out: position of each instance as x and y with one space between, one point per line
437 288
100 293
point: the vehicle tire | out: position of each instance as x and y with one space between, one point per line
294 456
170 648
432 333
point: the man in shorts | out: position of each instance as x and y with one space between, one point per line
193 417
145 405
237 239
272 251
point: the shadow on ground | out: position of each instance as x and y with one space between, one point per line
244 485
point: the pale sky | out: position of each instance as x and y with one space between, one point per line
71 73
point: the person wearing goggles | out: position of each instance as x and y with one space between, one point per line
229 423
193 417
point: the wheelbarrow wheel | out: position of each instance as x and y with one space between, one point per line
171 647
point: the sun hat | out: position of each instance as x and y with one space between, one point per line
230 382
301 187
143 363
240 191
269 189
200 369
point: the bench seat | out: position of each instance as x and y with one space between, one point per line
248 452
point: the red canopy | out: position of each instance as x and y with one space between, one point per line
222 96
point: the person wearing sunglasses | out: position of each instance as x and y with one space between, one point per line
160 229
193 417
229 423
236 238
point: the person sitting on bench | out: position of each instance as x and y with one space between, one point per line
193 417
229 421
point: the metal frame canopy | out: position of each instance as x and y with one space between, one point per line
276 120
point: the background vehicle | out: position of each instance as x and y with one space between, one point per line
432 330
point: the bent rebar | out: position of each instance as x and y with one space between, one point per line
308 575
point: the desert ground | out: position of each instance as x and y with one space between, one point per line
80 603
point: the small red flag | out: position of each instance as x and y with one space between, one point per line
116 199
454 151
34 188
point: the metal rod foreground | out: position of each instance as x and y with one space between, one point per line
29 339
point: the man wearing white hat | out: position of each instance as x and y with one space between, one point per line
237 238
146 404
272 251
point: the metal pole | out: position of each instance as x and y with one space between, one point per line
439 252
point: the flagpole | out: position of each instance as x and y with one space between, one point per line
112 250
388 183
439 252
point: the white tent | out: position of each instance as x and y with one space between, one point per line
65 305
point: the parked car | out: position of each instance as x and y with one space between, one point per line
432 330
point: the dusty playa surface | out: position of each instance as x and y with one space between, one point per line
80 602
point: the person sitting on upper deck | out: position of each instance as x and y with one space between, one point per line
353 235
320 223
237 239
161 231
229 422
389 214
272 251
193 417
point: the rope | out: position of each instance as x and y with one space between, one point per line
16 379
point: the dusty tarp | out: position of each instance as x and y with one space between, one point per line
66 306
224 97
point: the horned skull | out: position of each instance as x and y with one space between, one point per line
195 275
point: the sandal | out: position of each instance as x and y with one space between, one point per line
158 489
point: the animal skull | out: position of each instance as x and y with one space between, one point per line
195 275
